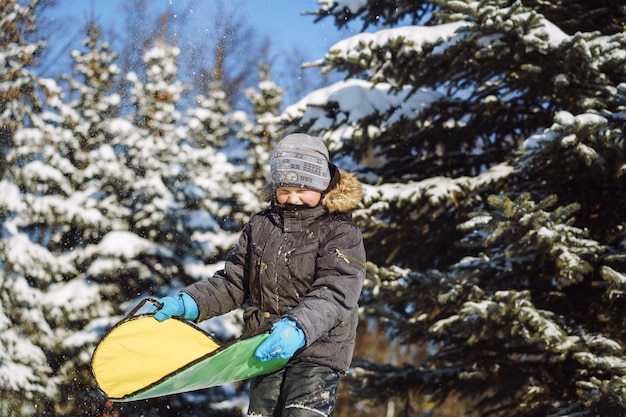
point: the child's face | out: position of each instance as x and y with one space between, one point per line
298 196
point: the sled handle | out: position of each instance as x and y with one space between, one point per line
141 304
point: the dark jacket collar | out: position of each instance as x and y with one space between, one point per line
296 218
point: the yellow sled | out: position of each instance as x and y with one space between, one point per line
141 358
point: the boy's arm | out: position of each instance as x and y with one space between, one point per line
226 290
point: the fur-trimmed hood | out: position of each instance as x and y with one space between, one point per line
344 196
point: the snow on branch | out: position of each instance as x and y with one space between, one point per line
355 100
435 191
411 38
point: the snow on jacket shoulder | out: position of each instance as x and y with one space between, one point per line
307 263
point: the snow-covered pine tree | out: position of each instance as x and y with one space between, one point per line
207 119
63 171
27 266
49 218
213 127
99 240
261 133
491 133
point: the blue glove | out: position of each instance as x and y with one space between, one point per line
286 337
180 306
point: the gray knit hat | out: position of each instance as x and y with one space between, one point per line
300 161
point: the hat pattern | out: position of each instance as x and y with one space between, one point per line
300 161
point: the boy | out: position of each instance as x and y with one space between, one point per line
298 268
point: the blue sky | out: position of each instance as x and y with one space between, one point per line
280 20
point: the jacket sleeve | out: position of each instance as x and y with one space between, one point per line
340 272
227 289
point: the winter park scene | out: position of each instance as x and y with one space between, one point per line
488 141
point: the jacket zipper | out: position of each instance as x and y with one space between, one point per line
348 258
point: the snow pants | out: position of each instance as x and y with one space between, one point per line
301 390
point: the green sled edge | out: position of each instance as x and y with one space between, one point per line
231 363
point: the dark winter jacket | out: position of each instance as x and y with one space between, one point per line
307 263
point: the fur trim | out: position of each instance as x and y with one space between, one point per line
268 193
345 196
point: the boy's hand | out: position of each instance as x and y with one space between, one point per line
180 306
286 338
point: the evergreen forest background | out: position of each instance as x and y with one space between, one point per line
489 136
